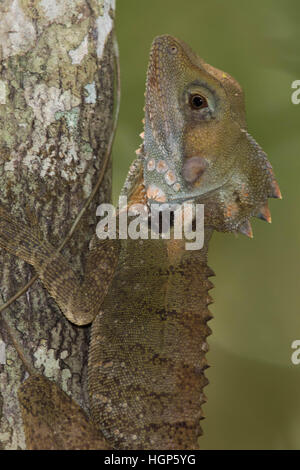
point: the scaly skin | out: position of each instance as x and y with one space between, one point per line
147 353
148 299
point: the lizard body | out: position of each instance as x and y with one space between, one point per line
147 351
148 299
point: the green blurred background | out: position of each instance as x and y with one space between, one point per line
254 391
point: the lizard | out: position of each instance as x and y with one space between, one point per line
148 300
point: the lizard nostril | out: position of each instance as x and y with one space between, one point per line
193 168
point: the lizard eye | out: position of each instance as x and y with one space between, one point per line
198 101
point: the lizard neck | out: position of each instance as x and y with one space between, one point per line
150 337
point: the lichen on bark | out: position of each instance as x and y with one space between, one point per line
56 107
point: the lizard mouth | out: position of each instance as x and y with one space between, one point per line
162 113
198 197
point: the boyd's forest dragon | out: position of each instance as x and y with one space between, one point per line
148 299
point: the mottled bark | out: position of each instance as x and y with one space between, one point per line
56 107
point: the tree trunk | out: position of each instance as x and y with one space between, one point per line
56 109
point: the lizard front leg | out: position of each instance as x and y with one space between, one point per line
52 420
80 302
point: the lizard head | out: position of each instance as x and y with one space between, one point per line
196 144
